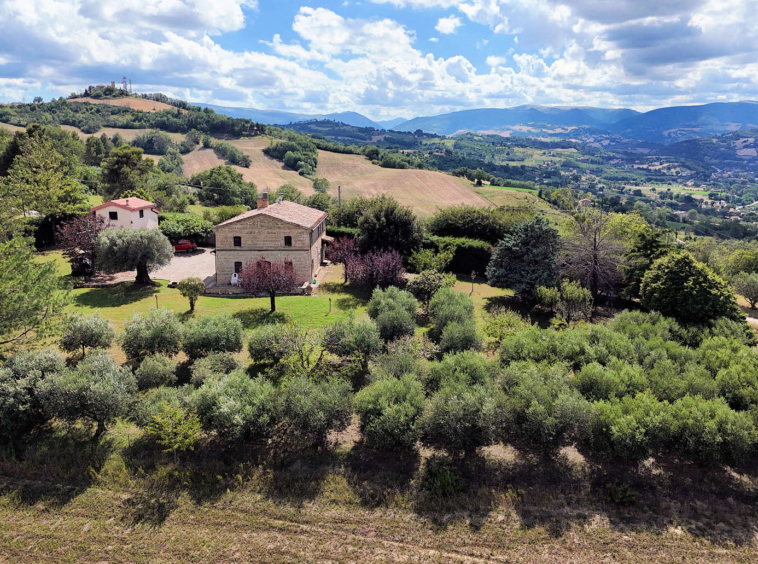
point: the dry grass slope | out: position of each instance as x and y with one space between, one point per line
133 103
266 173
425 191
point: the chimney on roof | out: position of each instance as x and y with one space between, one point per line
262 200
127 202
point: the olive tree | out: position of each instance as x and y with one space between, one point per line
191 288
142 250
98 390
213 333
152 332
747 286
82 331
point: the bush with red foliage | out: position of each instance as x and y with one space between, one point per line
264 277
76 238
381 268
342 251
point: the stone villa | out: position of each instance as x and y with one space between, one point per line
284 231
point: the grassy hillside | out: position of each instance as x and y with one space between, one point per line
133 103
423 190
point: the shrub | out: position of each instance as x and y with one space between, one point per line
215 364
385 224
709 432
541 410
468 255
466 368
678 286
156 370
389 410
355 339
82 331
212 333
236 407
501 322
177 226
440 478
311 410
98 390
174 428
427 259
152 332
487 224
571 346
191 288
271 343
394 324
459 419
547 296
457 337
448 306
427 283
21 406
381 268
151 401
618 379
390 299
631 428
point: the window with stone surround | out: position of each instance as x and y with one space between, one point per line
237 241
287 240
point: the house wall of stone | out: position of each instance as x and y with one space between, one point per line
263 237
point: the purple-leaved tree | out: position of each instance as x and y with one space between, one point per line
272 278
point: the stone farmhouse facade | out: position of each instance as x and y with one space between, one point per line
129 213
280 232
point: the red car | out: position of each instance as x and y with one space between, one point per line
185 245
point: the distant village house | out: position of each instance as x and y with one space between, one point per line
131 213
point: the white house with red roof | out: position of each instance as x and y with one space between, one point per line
132 213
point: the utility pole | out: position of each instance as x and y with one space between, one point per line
339 195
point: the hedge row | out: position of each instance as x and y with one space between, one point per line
470 254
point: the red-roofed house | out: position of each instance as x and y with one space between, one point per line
280 232
133 213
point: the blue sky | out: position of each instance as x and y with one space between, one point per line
387 58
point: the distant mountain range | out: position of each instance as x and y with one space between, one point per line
663 125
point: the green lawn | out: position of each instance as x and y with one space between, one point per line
95 200
119 303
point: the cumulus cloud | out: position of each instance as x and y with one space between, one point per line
584 52
448 25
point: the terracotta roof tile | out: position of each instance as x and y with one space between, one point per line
289 212
133 204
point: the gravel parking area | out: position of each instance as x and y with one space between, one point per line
201 263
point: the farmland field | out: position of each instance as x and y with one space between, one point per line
266 173
134 103
423 190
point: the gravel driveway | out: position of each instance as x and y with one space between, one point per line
201 264
184 265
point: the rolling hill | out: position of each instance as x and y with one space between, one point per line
677 123
496 119
423 190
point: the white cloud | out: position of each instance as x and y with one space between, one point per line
448 25
434 39
582 53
